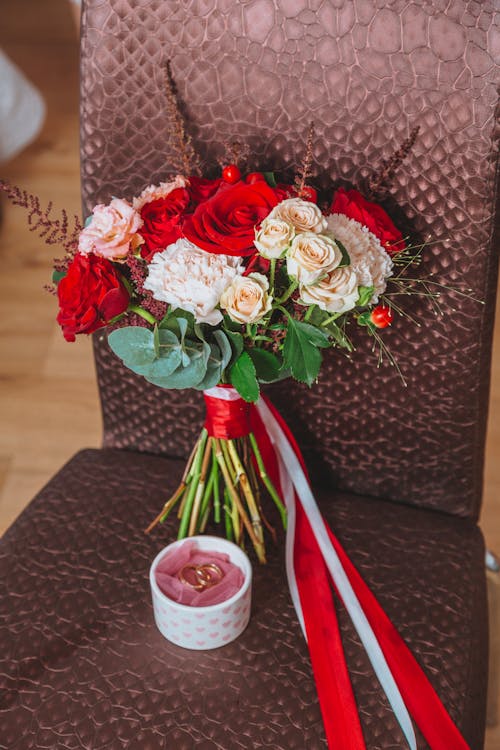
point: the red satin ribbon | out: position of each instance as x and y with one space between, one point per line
227 420
336 697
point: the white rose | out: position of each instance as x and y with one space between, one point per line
273 238
305 216
336 293
369 260
246 300
311 256
190 278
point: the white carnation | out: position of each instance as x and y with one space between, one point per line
369 260
190 278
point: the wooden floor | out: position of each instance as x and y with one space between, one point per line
48 398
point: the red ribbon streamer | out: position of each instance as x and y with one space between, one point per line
231 419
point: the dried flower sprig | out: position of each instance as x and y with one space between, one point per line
54 231
235 152
381 180
304 172
189 162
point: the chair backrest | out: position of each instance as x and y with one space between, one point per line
259 71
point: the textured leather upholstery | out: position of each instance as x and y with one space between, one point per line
81 662
364 72
83 666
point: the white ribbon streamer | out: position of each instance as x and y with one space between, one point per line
290 466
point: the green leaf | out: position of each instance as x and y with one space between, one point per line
167 360
244 378
365 295
225 348
270 179
88 220
134 345
339 336
156 341
179 321
186 376
267 365
364 318
57 276
236 341
346 261
214 369
231 325
300 350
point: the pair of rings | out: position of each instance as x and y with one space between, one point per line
201 577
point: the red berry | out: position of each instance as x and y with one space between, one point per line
254 177
231 174
381 316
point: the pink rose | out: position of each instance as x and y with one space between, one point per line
112 231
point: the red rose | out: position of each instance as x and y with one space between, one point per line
201 189
226 222
371 215
161 219
90 295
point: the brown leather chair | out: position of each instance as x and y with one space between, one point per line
397 471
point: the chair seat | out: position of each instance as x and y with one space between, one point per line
82 664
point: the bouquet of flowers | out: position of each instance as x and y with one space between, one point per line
239 281
225 284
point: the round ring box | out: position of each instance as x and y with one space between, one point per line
203 628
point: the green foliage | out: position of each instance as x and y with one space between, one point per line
243 377
169 358
301 350
267 365
270 179
57 276
365 295
346 261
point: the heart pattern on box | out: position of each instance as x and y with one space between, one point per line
202 630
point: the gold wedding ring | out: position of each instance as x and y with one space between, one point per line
201 577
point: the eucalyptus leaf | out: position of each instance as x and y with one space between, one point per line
225 347
214 369
134 345
187 376
270 179
244 377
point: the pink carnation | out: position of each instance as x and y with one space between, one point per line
112 230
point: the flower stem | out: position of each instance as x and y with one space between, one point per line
143 313
237 501
288 293
272 273
267 481
215 474
244 482
200 489
188 506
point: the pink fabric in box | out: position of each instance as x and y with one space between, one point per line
167 576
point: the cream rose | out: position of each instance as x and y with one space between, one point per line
311 256
369 260
111 231
246 300
190 278
154 192
336 293
304 216
273 238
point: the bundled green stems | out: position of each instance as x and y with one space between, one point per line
223 478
